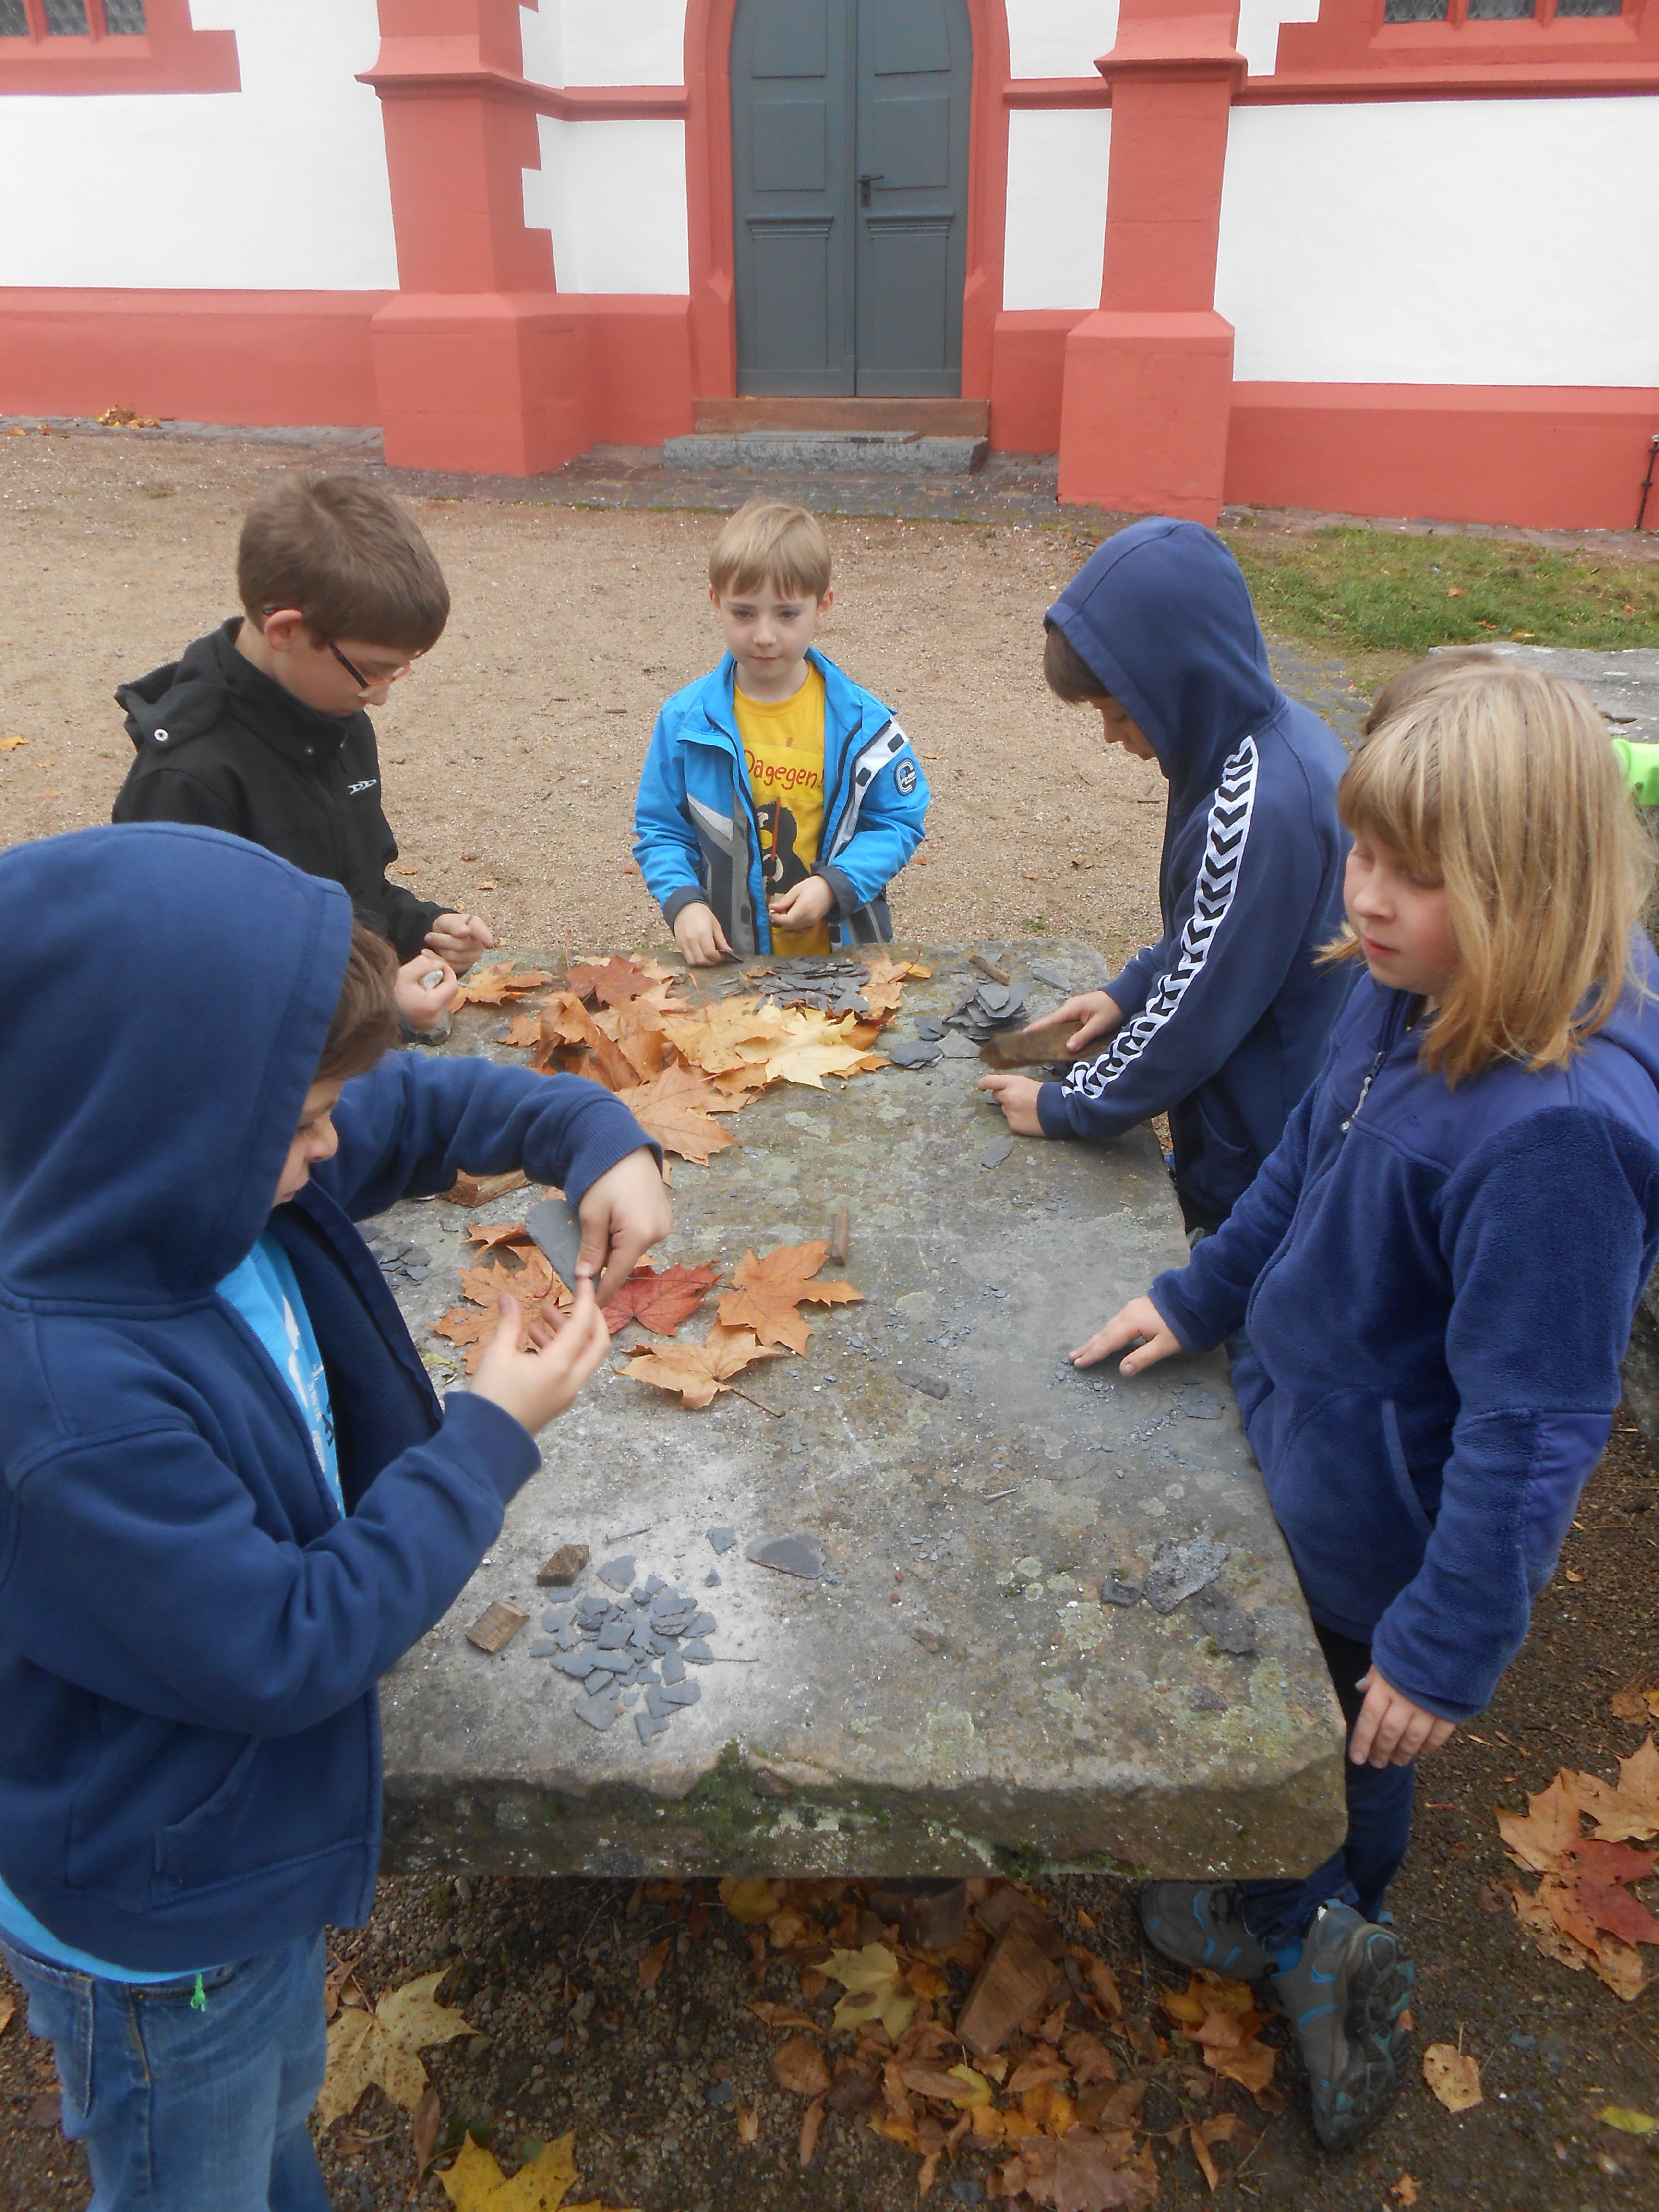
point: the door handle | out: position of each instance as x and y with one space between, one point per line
867 178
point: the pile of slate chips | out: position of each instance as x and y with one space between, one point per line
834 987
992 1007
629 1653
399 1261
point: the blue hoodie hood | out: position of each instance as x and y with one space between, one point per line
1163 615
140 1146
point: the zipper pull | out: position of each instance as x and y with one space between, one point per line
1364 1088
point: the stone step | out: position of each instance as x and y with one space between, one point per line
815 452
931 419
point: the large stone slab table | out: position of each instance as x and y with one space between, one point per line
986 1710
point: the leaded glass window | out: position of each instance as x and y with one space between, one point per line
66 18
1415 11
13 23
1485 11
1587 7
124 19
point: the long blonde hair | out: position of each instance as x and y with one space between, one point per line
1502 783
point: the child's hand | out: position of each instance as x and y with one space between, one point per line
459 939
805 907
1096 1014
536 1386
700 937
1391 1731
622 1215
422 1001
1017 1095
1139 1318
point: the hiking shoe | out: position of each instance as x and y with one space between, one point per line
1344 1996
1198 1923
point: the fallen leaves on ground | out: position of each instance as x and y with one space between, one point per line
1633 1703
11 745
698 1371
659 1298
1219 2016
1453 2076
799 2067
476 2183
767 1291
870 1978
1405 2189
673 1108
497 985
382 2045
1628 2122
1582 1912
650 1965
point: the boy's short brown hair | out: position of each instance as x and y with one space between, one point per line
348 556
365 1024
1403 690
1066 674
769 542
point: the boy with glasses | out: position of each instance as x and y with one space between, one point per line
259 728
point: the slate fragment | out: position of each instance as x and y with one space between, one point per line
497 1626
619 1572
1223 1618
674 1667
721 1538
789 1555
930 1386
1203 1699
996 1151
1051 976
647 1724
712 1579
564 1567
576 1664
614 1635
680 1693
697 1654
1200 1405
703 1625
957 1047
545 1647
931 1639
904 1053
1179 1570
557 1227
1116 1593
929 1028
599 1712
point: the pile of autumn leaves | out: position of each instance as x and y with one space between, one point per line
1583 1913
623 1022
1024 2049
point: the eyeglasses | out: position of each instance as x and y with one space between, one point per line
371 683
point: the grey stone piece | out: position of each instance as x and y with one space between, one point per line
662 1644
1224 1618
704 1625
957 1047
930 1386
929 1028
1201 1406
789 1555
1203 1699
996 1151
1040 972
859 452
553 1224
1178 1569
721 2092
722 1537
681 1693
647 1724
639 1637
618 1572
555 1618
712 1579
654 1583
673 1667
592 1610
697 1654
599 1712
966 2191
544 1647
576 1664
903 1053
640 1595
655 1701
1116 1593
614 1635
646 1677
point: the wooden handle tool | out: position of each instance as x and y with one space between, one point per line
1029 1048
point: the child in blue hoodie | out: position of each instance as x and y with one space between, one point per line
1222 1024
229 1500
778 800
1437 1268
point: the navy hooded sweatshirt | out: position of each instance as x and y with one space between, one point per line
1226 1017
1438 1285
191 1634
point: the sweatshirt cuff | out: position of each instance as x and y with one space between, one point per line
1051 1110
1196 1331
677 901
847 901
499 1447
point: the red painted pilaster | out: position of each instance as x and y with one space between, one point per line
1148 379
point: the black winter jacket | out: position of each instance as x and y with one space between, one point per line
222 745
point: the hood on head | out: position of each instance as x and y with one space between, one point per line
154 1062
1163 615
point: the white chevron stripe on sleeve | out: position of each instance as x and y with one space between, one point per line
1225 835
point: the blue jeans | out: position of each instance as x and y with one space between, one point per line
1379 1826
185 2109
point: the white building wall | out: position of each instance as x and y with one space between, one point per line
613 197
280 186
1060 38
1489 241
570 42
1054 238
1258 29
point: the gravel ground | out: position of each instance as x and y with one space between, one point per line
516 746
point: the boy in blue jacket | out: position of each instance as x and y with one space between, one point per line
778 799
229 1500
1437 1269
1222 1024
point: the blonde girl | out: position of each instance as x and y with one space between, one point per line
1437 1270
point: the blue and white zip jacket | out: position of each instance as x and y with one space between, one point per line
696 836
1438 1285
1226 1017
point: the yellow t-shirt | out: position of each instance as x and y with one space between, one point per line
783 751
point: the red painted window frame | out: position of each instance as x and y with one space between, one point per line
172 55
1352 52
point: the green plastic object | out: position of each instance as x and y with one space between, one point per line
1641 765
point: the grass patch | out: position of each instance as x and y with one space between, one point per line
1363 592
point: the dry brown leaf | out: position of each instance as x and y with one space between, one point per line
1633 1703
493 1233
747 2124
565 1023
748 1899
7 2007
1542 1839
672 1107
1088 2057
651 1964
637 1032
1541 1923
811 2121
1087 2171
874 1992
783 2015
1629 1812
660 1299
767 1291
798 2067
496 985
1453 2076
1620 1968
736 1034
698 1371
1206 2164
1405 2189
424 2130
812 1046
381 2046
523 1029
10 745
615 981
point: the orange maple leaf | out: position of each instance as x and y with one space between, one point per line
768 1292
659 1300
698 1371
495 985
672 1107
611 981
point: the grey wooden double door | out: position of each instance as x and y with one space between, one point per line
849 142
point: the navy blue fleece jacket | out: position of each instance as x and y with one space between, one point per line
1226 1017
190 1633
1438 1285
